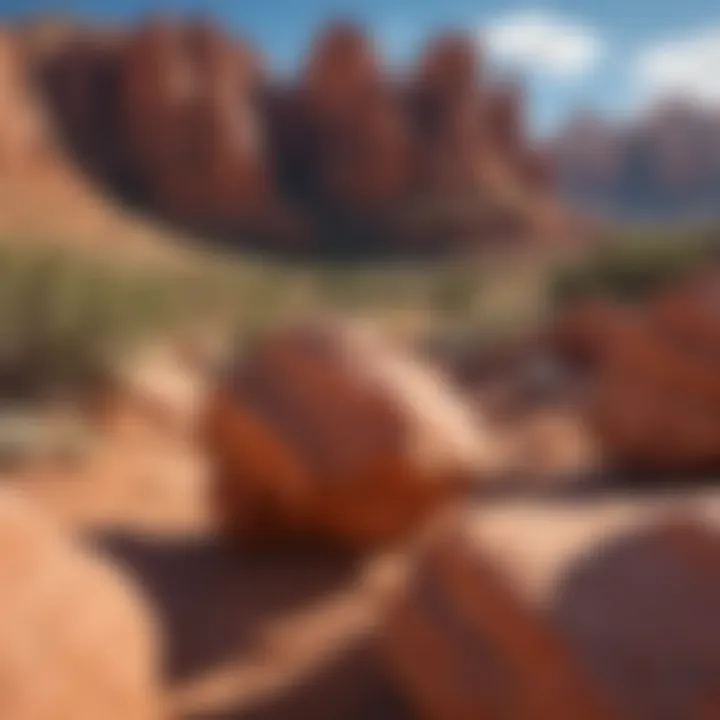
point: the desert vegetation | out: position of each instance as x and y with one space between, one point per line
68 316
630 264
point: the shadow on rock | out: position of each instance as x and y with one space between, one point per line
212 597
351 687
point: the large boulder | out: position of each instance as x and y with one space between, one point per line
655 406
76 640
641 612
652 376
580 336
329 431
602 610
689 314
463 642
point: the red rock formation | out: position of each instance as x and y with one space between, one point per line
657 407
604 611
450 67
640 612
654 373
582 335
447 104
78 638
153 84
359 135
184 119
366 159
191 123
689 315
342 72
474 158
82 83
536 169
505 119
330 432
466 642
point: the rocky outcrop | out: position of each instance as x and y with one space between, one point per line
447 109
329 432
196 146
653 374
360 137
184 120
77 638
599 615
464 641
648 595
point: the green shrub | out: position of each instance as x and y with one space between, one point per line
630 268
454 293
63 319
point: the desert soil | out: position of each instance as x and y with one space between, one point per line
285 633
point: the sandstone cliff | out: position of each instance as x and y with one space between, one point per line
184 120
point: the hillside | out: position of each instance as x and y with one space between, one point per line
663 165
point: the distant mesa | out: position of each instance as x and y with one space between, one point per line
665 164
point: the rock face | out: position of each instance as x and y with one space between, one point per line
655 400
328 432
657 407
183 119
464 643
640 613
165 115
448 111
361 136
76 640
81 83
188 115
599 611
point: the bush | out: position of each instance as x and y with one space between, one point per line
63 320
630 268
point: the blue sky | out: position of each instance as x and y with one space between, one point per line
613 56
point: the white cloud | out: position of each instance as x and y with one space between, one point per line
687 67
543 43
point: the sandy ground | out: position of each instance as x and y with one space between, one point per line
290 634
269 635
83 219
